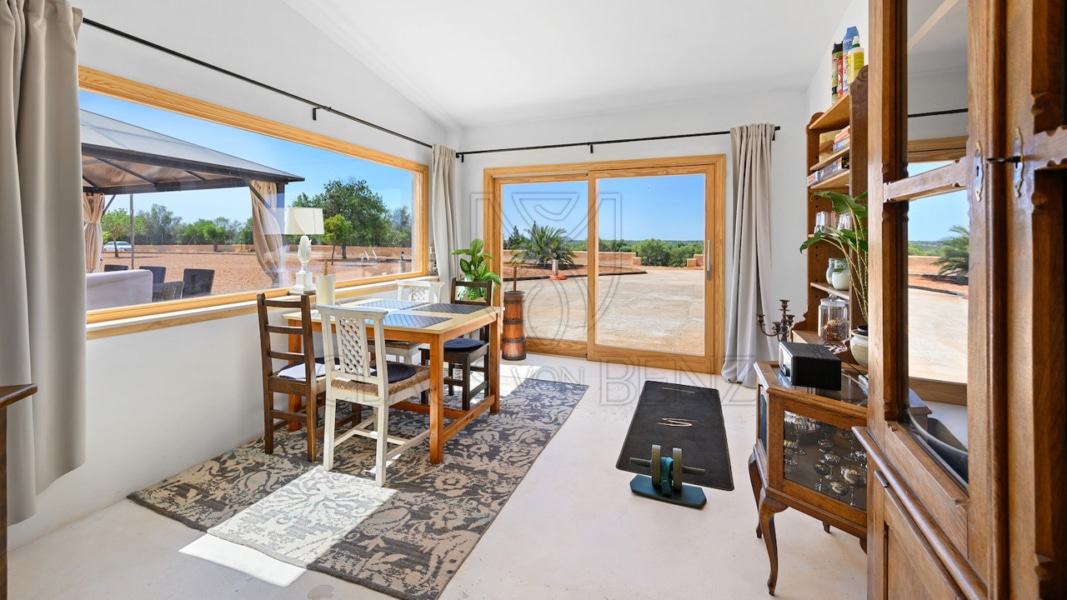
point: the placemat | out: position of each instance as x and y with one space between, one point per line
461 309
411 321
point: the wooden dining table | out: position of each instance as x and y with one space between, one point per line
433 325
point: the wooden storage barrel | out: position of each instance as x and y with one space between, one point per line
513 346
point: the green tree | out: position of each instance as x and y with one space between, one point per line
204 231
244 236
400 228
116 223
916 250
359 204
653 252
337 229
515 240
956 255
544 244
160 225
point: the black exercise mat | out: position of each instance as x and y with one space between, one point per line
680 416
462 309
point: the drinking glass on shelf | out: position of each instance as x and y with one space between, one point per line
823 220
844 221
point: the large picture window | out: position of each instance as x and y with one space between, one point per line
198 196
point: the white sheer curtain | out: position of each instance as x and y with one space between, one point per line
443 210
42 249
751 156
92 212
266 232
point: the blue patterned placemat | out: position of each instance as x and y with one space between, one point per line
390 304
411 321
463 309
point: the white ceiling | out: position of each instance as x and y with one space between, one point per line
478 62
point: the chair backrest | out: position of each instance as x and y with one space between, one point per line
112 267
172 290
472 292
197 282
348 352
159 274
271 351
419 291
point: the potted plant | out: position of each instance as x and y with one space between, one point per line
851 241
475 268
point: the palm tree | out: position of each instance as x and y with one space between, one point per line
545 244
955 258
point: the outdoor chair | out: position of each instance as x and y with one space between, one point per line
197 282
159 275
291 377
413 291
171 290
357 372
463 352
110 267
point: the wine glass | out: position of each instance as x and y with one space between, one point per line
854 476
825 471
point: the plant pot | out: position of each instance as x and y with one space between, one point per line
859 345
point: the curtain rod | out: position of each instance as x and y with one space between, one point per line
599 143
315 106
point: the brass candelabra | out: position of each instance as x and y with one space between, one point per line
780 329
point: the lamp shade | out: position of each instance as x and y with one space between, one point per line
303 221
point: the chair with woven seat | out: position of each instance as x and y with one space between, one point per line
357 372
197 282
159 275
463 352
291 377
113 267
413 291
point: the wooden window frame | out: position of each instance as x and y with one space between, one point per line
177 313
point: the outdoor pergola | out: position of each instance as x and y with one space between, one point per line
120 158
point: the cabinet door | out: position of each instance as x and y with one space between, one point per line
912 572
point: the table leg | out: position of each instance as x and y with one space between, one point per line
493 386
437 400
767 509
295 401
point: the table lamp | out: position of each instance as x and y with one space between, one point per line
303 221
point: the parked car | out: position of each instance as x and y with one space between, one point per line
123 246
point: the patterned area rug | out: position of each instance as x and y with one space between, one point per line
406 539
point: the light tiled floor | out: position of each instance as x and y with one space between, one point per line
571 530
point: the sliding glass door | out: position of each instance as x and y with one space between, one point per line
637 247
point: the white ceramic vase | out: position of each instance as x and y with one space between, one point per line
859 346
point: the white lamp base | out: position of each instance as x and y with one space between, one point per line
303 284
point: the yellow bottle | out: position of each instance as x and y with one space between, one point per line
855 61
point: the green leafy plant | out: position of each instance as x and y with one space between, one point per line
851 242
956 255
475 268
545 244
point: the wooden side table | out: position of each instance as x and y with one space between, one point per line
9 394
807 458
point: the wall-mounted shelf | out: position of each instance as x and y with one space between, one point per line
831 290
837 181
829 159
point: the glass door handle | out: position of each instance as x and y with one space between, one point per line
707 260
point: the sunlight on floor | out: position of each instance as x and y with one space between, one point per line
244 559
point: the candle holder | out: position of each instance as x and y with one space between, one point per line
780 329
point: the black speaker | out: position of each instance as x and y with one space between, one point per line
809 365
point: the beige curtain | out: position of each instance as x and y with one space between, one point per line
42 334
443 211
750 272
92 212
266 233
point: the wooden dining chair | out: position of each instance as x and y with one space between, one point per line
413 291
291 375
462 353
357 372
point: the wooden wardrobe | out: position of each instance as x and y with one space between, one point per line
1001 532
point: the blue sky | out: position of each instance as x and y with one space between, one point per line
631 208
314 165
930 219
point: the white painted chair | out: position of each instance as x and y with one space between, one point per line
357 372
413 291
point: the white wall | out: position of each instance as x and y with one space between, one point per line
856 14
787 109
162 401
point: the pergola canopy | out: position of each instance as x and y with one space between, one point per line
120 158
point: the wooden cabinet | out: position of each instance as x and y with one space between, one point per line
1000 531
807 458
849 111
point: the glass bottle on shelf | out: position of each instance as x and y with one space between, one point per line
833 321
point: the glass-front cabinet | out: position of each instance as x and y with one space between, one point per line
806 456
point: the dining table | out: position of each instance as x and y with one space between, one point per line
432 324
